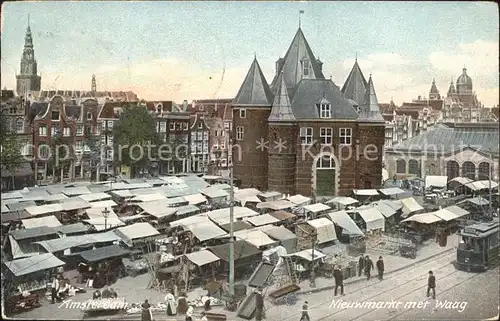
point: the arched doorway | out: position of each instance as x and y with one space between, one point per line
400 166
483 171
469 170
325 173
413 168
452 169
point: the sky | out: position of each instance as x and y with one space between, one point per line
202 50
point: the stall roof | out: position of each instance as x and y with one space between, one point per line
11 195
103 253
137 231
171 179
186 209
29 233
76 203
61 244
370 214
125 193
436 181
36 195
246 197
72 228
100 223
158 208
76 191
44 209
19 251
343 200
280 233
276 205
269 194
130 218
458 211
202 257
206 231
481 201
410 205
237 226
308 255
50 221
211 177
255 237
56 198
487 183
103 204
195 199
148 197
20 206
396 205
282 215
425 218
242 249
33 264
342 219
317 207
479 185
324 229
14 216
384 209
461 180
101 196
299 199
121 186
263 219
391 191
445 215
365 192
195 219
221 216
98 213
5 209
214 192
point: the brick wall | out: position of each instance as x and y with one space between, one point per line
370 159
282 160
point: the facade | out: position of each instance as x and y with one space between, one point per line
200 143
451 149
302 134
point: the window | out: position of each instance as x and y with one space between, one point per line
103 140
305 67
199 136
326 135
243 113
67 131
109 154
205 148
110 124
54 130
19 126
223 145
79 145
205 135
43 151
216 133
469 170
325 110
42 130
345 136
103 125
227 126
193 136
306 135
239 132
200 125
55 115
171 126
163 127
185 126
178 126
89 116
79 130
401 166
97 131
110 140
484 171
199 147
413 167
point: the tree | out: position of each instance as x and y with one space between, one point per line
10 149
135 138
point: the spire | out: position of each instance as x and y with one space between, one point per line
254 91
94 84
370 110
434 89
282 109
356 59
355 85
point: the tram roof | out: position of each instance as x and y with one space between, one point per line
480 229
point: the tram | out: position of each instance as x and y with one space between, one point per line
478 247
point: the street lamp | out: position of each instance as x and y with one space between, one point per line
314 238
231 233
105 213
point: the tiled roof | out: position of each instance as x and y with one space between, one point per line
355 85
310 92
369 110
73 111
282 109
254 91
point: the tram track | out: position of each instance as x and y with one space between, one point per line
440 261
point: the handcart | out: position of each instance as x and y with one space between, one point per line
409 251
285 294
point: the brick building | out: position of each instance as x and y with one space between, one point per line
200 143
295 135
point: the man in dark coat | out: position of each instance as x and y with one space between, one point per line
305 313
146 312
431 285
361 265
368 267
380 268
339 280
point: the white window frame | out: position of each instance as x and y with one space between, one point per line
305 68
205 135
200 125
325 110
185 126
79 145
163 127
89 115
79 130
42 130
326 135
345 136
306 135
199 135
110 124
55 111
66 131
222 145
19 126
171 126
193 136
243 113
240 132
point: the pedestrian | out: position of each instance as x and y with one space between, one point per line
368 267
55 288
339 280
171 304
394 180
146 314
380 268
203 317
189 314
259 305
106 294
361 265
305 313
431 285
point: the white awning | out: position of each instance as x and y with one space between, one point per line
479 185
33 264
374 219
436 181
103 204
299 199
158 208
308 255
255 237
445 215
101 196
343 200
270 194
342 219
61 244
410 205
316 208
458 211
97 212
384 208
461 180
195 199
261 220
44 209
276 205
214 192
137 231
487 183
478 201
206 230
425 218
75 203
55 198
124 193
365 192
221 216
49 221
148 197
202 257
192 220
101 223
76 191
391 191
324 229
11 195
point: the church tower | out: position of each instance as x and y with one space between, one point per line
434 92
93 86
28 80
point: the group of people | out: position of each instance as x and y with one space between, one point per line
365 264
147 315
106 294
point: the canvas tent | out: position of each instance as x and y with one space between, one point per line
374 220
342 219
324 228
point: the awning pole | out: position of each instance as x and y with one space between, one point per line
231 233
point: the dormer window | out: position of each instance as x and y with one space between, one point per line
305 68
325 109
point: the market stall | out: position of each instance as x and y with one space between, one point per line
410 206
349 229
299 200
246 257
372 218
201 266
325 230
256 237
261 220
286 238
136 235
21 241
391 192
314 210
342 202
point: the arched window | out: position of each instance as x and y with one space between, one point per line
413 167
401 166
325 176
452 169
469 170
483 171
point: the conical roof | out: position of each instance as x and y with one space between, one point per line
298 52
354 87
451 90
282 108
254 91
369 111
434 89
